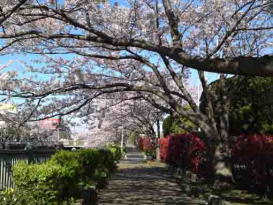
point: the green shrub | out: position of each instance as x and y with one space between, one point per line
63 177
87 165
95 169
22 197
105 166
16 197
44 183
71 162
116 151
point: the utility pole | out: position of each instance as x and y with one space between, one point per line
158 137
122 138
158 128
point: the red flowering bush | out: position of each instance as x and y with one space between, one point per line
148 145
252 158
140 143
164 146
182 150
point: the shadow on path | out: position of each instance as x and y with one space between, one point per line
142 184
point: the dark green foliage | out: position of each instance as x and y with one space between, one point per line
251 111
167 124
251 104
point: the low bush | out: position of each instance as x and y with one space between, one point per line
185 151
44 183
15 197
88 165
116 151
148 145
66 175
252 159
22 197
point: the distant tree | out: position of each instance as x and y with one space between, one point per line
175 125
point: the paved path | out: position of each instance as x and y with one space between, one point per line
142 183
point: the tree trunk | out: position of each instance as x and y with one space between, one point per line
219 157
222 164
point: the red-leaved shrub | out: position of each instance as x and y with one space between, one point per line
182 150
147 144
252 159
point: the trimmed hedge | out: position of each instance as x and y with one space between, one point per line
65 176
148 145
182 150
252 159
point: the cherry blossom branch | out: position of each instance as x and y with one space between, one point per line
13 10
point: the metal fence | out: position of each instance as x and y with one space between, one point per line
9 157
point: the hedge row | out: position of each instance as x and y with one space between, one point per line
67 175
148 145
252 158
182 150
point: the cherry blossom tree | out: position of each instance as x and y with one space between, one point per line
133 115
193 33
146 47
118 115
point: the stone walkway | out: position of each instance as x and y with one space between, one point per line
143 183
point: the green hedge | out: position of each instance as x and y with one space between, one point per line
65 176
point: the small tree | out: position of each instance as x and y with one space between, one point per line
175 125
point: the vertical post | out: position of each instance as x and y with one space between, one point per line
198 100
198 94
158 137
158 128
58 136
122 138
